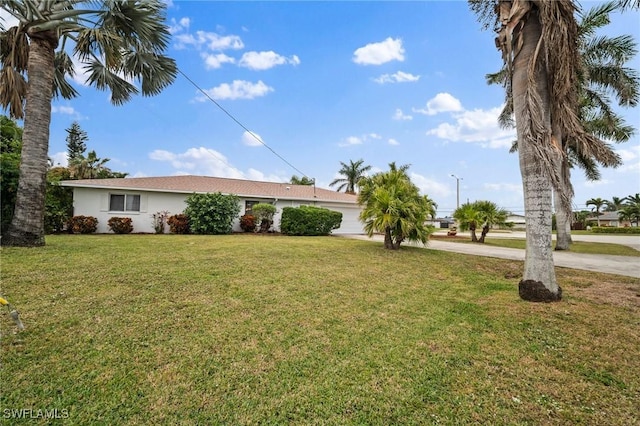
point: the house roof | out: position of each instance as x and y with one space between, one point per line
605 216
202 184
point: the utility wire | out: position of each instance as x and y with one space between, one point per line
240 124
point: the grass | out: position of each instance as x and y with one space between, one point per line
576 246
246 329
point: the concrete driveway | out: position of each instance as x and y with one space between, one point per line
619 265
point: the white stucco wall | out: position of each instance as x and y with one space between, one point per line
95 202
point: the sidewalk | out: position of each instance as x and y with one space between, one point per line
619 265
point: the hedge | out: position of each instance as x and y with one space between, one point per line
615 230
308 220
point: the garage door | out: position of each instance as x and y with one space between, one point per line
350 223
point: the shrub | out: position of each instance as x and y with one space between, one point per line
248 223
613 230
160 221
307 220
212 213
120 225
83 224
178 224
264 213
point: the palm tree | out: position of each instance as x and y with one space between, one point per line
490 215
603 60
295 180
614 204
597 203
352 173
467 216
89 167
118 41
392 205
539 45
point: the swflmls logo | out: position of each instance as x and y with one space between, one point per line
30 413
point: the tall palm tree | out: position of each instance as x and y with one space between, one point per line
614 204
118 42
597 204
392 205
539 45
352 173
604 73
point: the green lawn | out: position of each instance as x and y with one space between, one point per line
248 329
576 247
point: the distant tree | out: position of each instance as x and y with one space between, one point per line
10 148
631 209
467 216
392 205
92 167
295 180
352 174
490 215
597 204
614 204
58 200
120 44
76 142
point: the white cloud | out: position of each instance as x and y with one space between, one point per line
63 110
265 60
215 60
208 162
595 183
375 136
430 187
352 140
379 53
59 159
208 40
177 26
239 89
503 187
442 102
249 139
477 126
399 115
392 141
399 77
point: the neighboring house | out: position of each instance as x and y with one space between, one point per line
608 219
518 221
139 198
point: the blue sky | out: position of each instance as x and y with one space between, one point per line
324 82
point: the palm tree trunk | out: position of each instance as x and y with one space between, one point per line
474 238
483 234
563 225
27 226
531 102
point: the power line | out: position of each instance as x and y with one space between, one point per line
240 124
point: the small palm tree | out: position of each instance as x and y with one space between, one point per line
392 205
597 204
295 180
467 216
352 172
490 215
118 42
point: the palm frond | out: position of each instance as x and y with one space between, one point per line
63 67
102 78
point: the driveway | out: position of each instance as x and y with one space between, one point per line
619 265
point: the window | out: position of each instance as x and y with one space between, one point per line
124 203
248 206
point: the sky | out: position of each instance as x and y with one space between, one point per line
319 83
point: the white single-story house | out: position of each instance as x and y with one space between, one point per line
140 198
518 221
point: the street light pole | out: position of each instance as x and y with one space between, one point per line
458 179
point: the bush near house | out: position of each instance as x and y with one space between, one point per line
248 223
307 220
120 225
264 213
83 225
615 230
178 224
212 213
